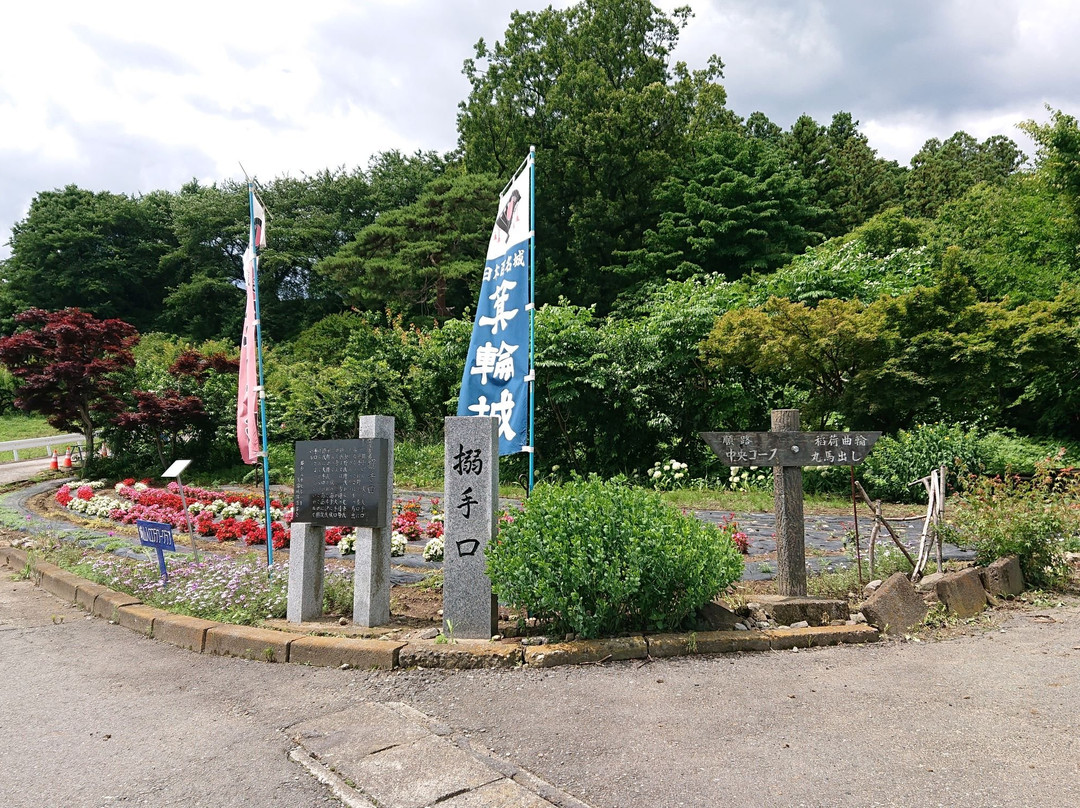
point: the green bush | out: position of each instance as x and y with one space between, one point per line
1036 519
912 454
598 559
1005 452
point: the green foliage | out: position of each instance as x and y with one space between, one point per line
418 462
598 559
174 371
100 252
422 259
1015 239
896 461
1058 157
1036 519
1006 452
848 180
941 172
735 208
349 365
591 86
826 350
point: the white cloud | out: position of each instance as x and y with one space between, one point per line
134 96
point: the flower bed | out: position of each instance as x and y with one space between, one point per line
228 516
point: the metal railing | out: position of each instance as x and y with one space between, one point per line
60 442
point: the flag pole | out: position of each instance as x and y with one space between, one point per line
262 382
532 317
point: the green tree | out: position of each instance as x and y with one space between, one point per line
425 258
848 179
98 251
592 88
1058 157
735 209
823 351
1015 238
211 228
944 171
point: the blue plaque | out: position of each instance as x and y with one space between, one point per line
157 535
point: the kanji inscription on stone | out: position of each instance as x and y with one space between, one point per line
341 482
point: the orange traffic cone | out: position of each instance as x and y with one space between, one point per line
67 458
54 463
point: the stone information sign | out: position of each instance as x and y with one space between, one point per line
341 482
471 474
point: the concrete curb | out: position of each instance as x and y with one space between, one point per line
271 645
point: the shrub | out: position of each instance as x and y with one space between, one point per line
1035 519
910 455
597 558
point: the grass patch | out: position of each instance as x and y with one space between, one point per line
844 584
19 426
718 499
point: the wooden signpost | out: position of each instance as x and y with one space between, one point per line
787 450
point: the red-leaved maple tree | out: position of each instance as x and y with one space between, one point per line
66 363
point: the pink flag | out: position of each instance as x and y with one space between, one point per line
247 397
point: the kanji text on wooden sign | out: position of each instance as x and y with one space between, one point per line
791 448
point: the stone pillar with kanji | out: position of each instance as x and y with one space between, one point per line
471 475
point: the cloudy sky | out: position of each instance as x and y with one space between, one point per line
131 97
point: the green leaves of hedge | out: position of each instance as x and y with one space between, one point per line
598 559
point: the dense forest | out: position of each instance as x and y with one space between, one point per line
696 267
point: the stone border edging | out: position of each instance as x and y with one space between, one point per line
271 645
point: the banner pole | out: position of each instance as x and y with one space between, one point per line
532 316
262 380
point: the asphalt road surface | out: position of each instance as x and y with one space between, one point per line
95 715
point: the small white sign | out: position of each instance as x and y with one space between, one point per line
176 469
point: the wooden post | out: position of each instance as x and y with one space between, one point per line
790 530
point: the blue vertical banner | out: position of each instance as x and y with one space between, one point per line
495 379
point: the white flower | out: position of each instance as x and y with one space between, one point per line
398 543
433 550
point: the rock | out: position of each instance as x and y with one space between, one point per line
343 621
788 609
714 617
1003 577
800 624
895 607
858 618
871 587
741 627
429 634
928 583
496 637
962 593
570 637
534 640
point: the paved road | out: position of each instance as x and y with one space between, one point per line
19 470
94 715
